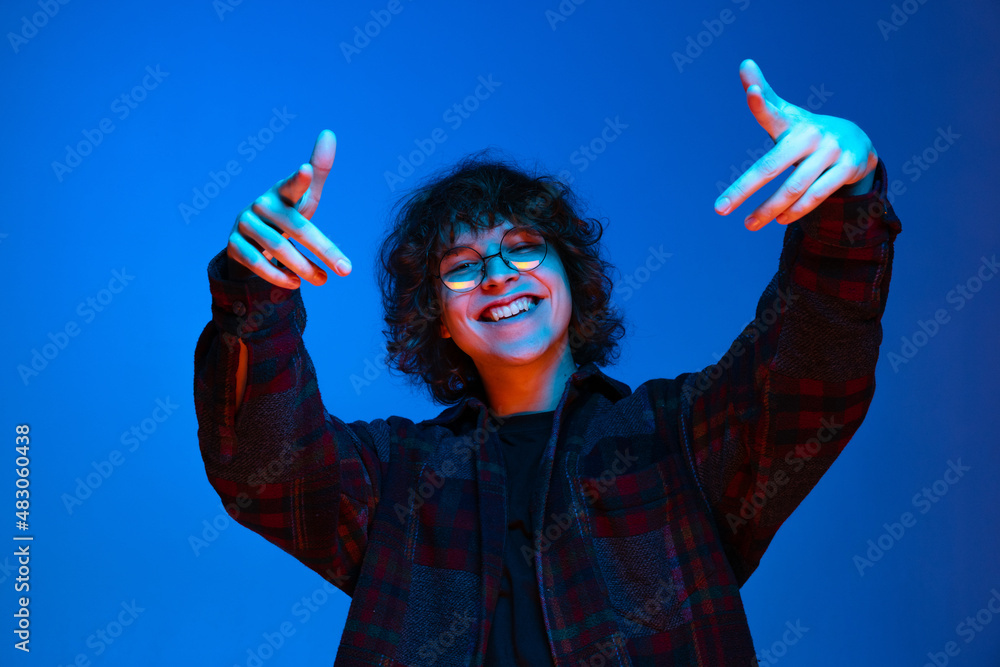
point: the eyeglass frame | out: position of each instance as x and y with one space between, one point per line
484 260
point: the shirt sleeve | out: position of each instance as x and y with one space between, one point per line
282 465
236 271
764 423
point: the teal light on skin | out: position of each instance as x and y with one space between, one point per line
830 155
526 362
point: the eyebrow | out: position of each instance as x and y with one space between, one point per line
476 243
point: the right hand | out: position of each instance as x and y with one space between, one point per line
262 229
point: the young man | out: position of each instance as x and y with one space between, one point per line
551 515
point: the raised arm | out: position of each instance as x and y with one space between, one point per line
764 424
304 480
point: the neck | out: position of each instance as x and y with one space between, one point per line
533 387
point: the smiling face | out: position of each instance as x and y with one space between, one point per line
542 331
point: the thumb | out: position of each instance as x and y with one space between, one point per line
765 105
292 188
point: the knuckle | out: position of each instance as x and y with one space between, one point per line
249 260
245 225
239 221
795 187
812 133
808 200
260 205
769 165
315 275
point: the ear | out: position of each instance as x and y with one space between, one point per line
444 331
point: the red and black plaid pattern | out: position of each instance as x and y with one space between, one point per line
655 506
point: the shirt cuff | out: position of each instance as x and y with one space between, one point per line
252 307
854 221
236 271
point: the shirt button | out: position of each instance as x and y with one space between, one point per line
239 308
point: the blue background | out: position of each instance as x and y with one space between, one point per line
686 129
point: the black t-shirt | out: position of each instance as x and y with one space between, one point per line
517 636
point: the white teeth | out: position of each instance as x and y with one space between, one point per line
524 303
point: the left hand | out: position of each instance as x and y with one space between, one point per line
828 152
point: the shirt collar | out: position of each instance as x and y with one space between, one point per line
586 378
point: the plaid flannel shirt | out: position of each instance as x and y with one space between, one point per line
655 505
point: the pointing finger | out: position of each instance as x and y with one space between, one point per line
771 164
295 225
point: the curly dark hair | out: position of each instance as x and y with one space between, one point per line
476 191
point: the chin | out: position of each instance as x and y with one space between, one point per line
518 356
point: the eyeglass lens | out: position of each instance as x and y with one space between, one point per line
462 268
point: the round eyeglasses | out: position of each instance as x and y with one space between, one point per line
462 268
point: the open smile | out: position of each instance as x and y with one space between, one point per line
532 306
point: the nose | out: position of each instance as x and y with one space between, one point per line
497 271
